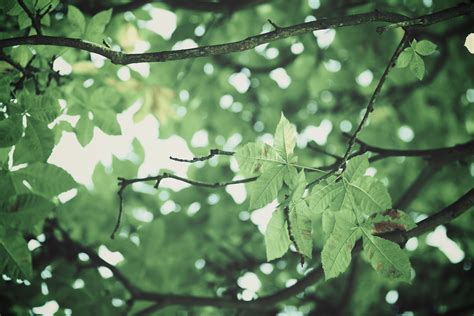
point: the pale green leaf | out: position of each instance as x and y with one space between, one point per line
84 130
254 156
291 177
298 186
425 48
285 139
323 195
96 27
387 258
337 251
370 195
356 167
15 258
266 188
417 66
301 227
277 240
405 57
76 19
106 120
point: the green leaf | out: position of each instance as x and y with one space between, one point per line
24 211
298 186
301 227
285 139
77 19
253 157
370 195
36 145
291 177
405 57
5 93
96 26
417 66
266 188
337 251
356 167
44 108
277 240
106 120
22 54
15 258
389 220
425 48
324 193
24 20
387 258
84 130
45 179
11 130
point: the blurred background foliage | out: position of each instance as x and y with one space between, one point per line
200 241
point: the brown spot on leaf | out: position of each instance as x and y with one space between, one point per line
385 227
392 213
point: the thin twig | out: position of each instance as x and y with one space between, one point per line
212 153
378 88
123 183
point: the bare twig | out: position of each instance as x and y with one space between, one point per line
378 88
123 183
212 153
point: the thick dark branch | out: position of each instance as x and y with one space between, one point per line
444 216
246 44
429 19
378 88
212 153
439 154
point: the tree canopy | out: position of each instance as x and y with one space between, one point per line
252 157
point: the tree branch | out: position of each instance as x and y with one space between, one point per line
444 216
117 57
35 18
123 183
378 88
439 154
212 153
